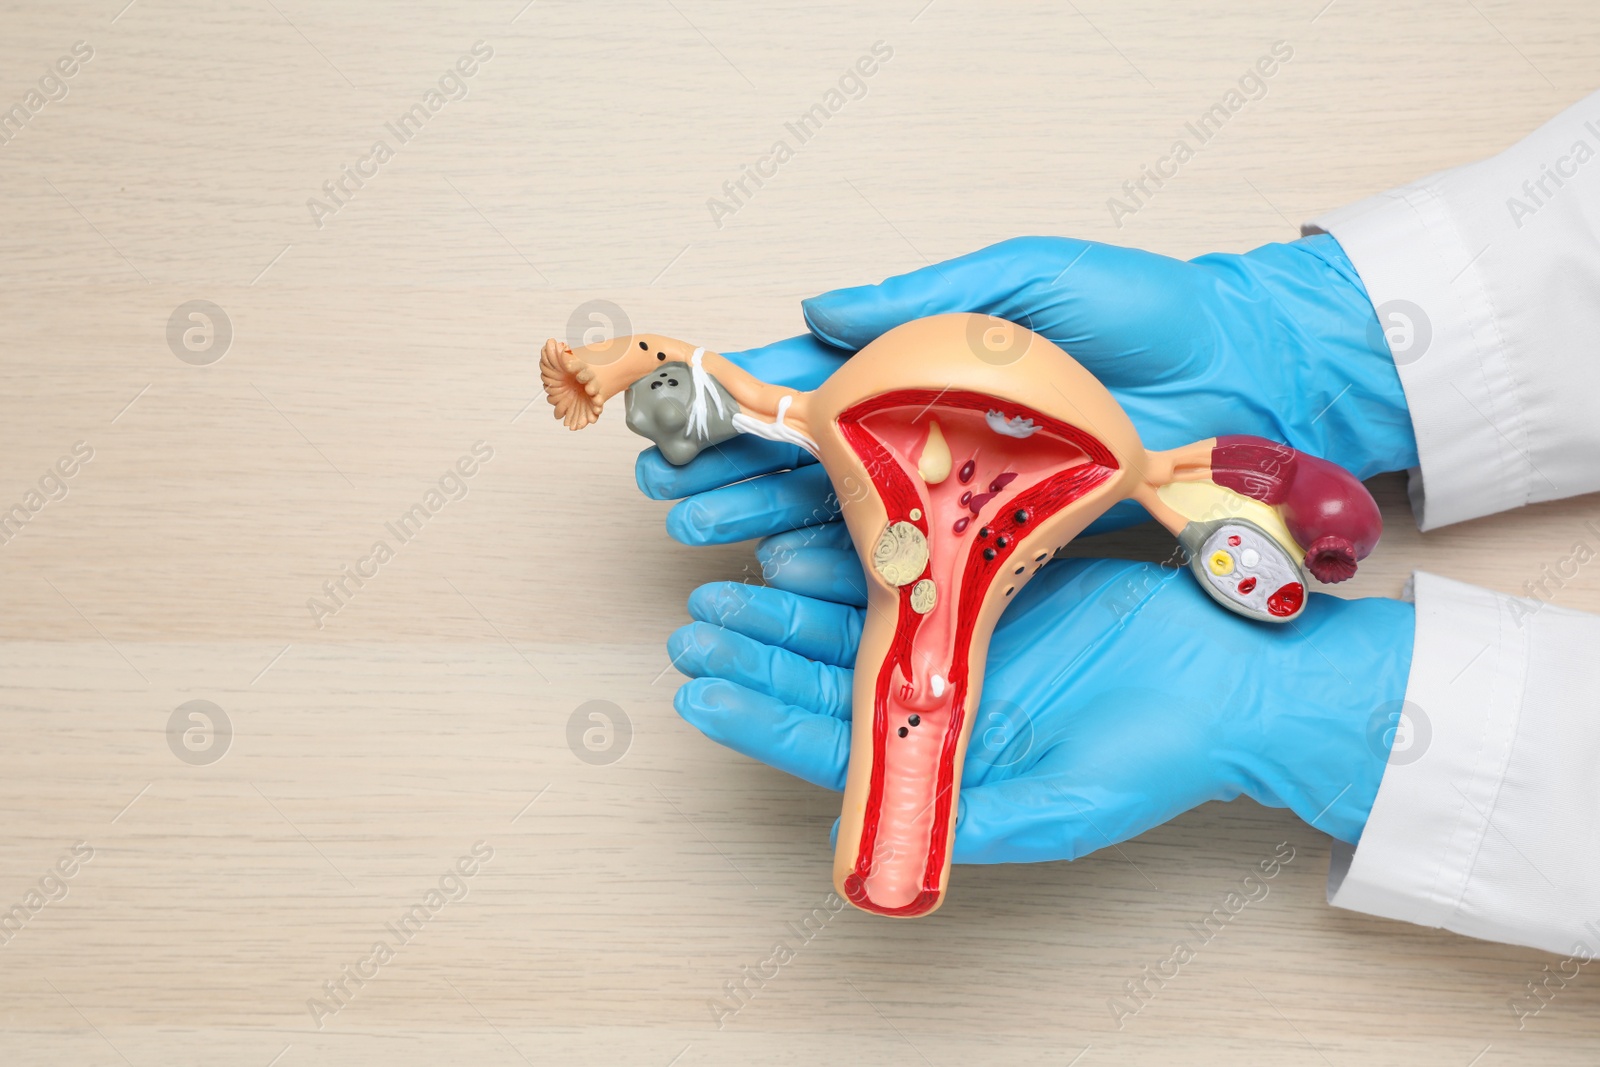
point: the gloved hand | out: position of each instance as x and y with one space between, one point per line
1117 696
1280 342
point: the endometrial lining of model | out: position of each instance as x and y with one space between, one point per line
958 479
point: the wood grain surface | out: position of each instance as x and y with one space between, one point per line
372 347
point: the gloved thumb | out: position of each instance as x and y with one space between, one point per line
1037 819
1124 313
999 280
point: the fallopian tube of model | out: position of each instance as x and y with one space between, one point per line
959 475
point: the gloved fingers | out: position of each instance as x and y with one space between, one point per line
1125 314
817 561
766 505
722 464
824 573
702 650
815 629
802 362
828 535
809 746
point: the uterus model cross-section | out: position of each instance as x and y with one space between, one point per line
964 451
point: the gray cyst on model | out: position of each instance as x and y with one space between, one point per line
658 406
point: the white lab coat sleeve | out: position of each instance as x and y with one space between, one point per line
1486 280
1487 821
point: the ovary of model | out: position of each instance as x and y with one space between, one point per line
959 473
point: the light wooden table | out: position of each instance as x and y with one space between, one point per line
430 713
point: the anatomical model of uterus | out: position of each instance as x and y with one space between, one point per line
964 451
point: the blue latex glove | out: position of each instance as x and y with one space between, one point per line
1117 696
1281 342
